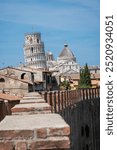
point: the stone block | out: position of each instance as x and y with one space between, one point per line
59 131
16 134
55 143
6 145
37 131
21 146
41 133
25 101
47 132
34 108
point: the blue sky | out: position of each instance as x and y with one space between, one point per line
76 22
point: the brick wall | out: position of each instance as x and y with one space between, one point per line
5 107
38 130
81 110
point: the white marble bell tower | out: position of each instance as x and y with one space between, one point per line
34 53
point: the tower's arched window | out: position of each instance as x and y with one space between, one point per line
30 40
31 49
2 80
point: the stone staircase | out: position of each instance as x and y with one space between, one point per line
31 105
32 126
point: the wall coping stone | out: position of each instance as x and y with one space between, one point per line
35 121
31 107
23 101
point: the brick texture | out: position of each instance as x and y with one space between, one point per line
33 127
16 134
6 145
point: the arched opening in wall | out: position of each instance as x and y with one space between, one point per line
2 80
87 131
23 75
82 131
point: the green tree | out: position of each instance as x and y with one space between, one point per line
85 79
65 85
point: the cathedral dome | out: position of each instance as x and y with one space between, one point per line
66 54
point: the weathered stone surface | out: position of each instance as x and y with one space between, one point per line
6 145
40 131
55 131
36 131
16 134
50 143
32 95
21 146
25 101
29 108
30 122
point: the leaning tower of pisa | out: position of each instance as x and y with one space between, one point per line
34 53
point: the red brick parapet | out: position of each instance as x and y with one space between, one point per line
58 100
32 126
40 131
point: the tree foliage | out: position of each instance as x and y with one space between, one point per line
65 85
85 79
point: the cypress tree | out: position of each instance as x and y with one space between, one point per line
85 80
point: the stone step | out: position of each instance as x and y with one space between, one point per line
32 94
40 131
27 97
31 108
24 101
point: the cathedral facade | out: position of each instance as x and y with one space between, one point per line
65 63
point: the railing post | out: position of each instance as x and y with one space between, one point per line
95 92
92 94
55 102
51 101
62 100
48 98
87 94
45 96
98 89
67 98
58 101
83 94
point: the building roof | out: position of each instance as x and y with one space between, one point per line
95 75
21 80
25 70
66 52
